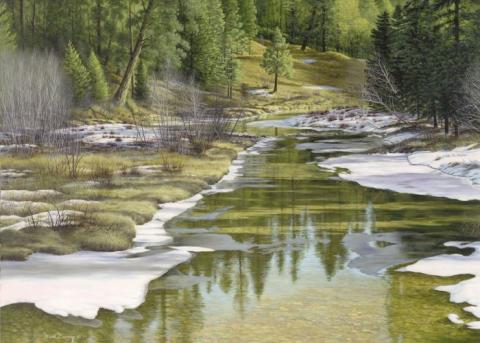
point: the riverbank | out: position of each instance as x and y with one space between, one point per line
152 254
44 209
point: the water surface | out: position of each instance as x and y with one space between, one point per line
301 256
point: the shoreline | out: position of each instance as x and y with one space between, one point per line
85 273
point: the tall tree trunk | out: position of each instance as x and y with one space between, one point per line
99 27
456 130
22 24
456 24
324 29
311 24
275 86
34 14
130 40
121 94
447 126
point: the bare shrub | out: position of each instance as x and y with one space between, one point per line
102 173
471 112
35 96
202 125
69 146
183 122
171 163
167 124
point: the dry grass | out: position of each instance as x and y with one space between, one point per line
126 197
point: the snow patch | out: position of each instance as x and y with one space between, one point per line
259 92
81 283
22 195
461 161
323 88
467 291
309 60
395 173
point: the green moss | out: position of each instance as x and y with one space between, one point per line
31 240
105 232
14 253
140 211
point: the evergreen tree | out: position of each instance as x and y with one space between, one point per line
207 45
248 14
235 41
141 81
381 36
7 37
77 71
98 82
277 59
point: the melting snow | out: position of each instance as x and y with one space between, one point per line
80 284
445 265
462 161
323 88
394 172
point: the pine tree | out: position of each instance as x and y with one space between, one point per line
248 14
381 36
78 73
235 41
98 82
207 45
277 59
7 37
141 82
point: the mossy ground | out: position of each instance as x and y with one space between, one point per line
112 202
330 69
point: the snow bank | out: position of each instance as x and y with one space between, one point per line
467 291
394 172
55 219
462 162
120 135
353 120
80 284
399 137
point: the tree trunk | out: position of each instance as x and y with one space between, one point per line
130 40
99 27
311 24
122 91
435 121
447 126
324 29
456 130
34 13
275 86
22 26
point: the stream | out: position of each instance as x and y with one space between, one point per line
285 252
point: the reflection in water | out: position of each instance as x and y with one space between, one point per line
289 241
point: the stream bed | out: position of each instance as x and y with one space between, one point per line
288 253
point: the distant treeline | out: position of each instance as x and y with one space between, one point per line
199 37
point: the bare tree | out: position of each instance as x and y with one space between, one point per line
167 123
35 96
471 112
380 89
